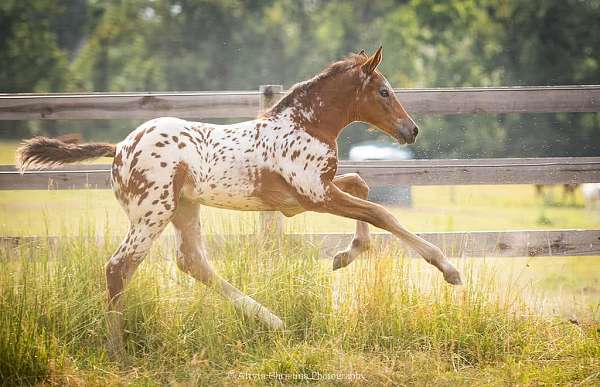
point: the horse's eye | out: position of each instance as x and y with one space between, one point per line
384 93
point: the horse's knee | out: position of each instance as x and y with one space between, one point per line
361 183
359 186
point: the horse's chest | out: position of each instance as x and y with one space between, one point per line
302 161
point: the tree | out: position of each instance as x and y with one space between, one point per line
30 59
159 45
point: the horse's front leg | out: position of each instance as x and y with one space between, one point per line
340 203
353 184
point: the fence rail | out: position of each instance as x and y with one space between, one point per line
537 99
555 170
377 173
523 243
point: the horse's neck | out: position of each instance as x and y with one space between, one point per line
323 115
323 122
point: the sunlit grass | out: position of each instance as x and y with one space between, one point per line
384 319
7 152
473 208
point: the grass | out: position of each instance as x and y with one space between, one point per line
7 152
384 320
474 208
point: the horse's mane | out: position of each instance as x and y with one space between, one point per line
350 61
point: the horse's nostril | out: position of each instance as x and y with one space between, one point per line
415 131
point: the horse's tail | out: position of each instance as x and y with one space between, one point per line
43 152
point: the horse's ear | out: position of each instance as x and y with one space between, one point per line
363 53
371 64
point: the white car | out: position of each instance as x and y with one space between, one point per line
376 150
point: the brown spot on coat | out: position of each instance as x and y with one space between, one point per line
181 178
136 141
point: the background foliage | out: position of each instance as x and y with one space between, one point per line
160 45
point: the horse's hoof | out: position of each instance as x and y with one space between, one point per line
453 277
341 259
117 355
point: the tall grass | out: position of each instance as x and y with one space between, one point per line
384 319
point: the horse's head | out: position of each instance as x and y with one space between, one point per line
377 104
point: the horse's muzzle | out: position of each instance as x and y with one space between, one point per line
407 131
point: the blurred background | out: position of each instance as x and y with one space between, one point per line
193 45
169 45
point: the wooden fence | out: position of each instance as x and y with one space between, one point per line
376 173
552 170
552 99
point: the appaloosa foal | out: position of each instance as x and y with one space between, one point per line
285 160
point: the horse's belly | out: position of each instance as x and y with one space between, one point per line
226 195
244 200
233 202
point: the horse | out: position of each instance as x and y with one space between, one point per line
285 160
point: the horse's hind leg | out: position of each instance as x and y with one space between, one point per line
192 259
353 184
120 269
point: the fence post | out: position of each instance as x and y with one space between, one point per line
271 222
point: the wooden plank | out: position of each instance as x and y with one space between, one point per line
553 170
526 243
69 177
514 99
199 105
70 167
55 180
128 105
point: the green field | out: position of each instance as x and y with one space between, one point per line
385 319
474 208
